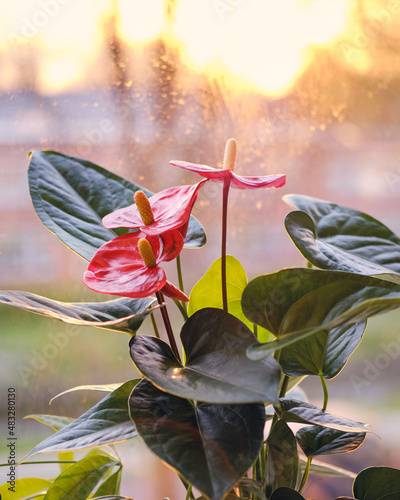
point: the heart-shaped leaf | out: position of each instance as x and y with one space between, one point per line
334 237
286 494
79 480
296 303
71 196
217 369
316 440
125 315
207 292
212 446
107 422
282 459
292 410
24 487
377 483
325 353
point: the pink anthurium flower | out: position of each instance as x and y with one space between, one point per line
227 174
129 265
167 210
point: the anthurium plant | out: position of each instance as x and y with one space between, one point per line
215 401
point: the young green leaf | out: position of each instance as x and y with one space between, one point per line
79 480
111 485
334 237
207 291
54 421
107 422
71 196
217 369
101 388
125 314
24 487
212 446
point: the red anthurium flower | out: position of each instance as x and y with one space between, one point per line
167 210
129 265
227 174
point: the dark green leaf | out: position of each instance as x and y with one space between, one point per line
79 480
107 422
286 494
296 303
316 440
282 459
377 483
334 237
71 196
217 369
124 314
210 445
306 413
325 353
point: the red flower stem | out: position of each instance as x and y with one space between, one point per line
225 194
168 327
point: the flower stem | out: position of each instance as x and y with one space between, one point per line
154 324
305 474
182 309
180 281
325 389
168 327
225 194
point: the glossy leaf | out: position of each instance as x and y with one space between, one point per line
79 480
282 459
107 422
334 237
207 291
217 369
306 413
296 303
210 445
315 440
286 494
54 421
71 196
377 483
24 487
325 353
124 314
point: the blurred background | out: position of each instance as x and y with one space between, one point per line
309 88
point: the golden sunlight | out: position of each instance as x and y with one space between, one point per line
268 45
